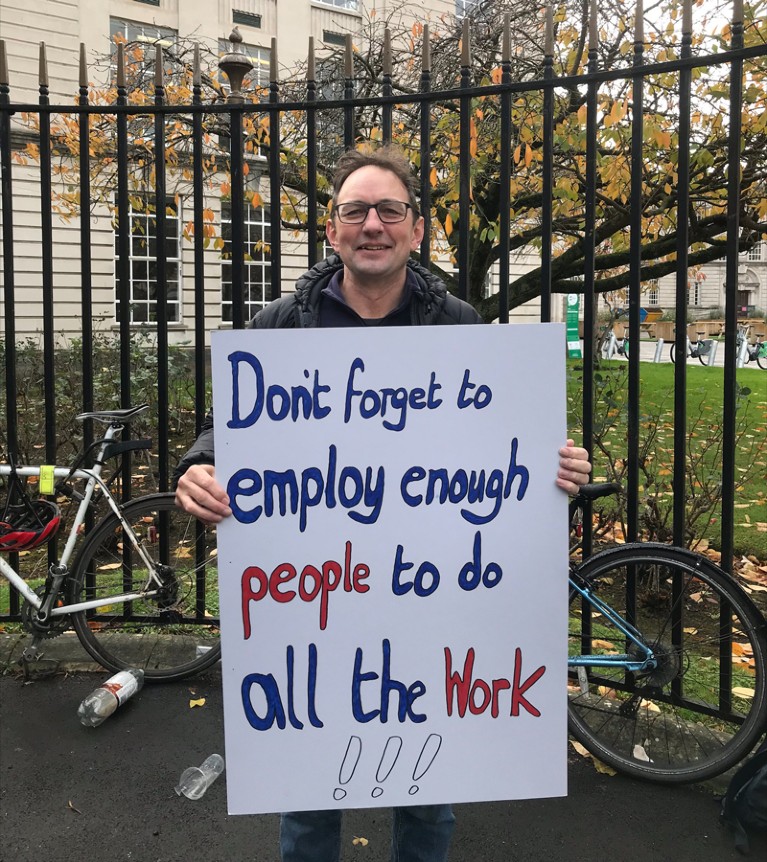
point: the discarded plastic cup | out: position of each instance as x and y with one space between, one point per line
196 780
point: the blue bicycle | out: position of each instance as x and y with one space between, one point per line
667 660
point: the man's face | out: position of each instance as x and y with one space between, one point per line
374 251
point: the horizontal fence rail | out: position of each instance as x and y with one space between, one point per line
268 152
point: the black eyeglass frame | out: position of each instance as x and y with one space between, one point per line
338 211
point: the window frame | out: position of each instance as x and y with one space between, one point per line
261 263
136 262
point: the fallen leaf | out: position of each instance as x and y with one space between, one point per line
199 702
363 842
603 767
71 807
740 691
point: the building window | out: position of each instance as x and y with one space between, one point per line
142 263
257 236
652 292
331 38
142 38
756 251
258 77
249 19
354 5
149 2
693 292
464 7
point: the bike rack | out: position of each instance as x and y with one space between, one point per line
712 351
742 353
658 349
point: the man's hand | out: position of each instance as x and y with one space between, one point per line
199 493
574 467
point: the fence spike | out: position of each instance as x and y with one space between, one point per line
387 64
349 57
310 70
274 69
83 68
4 81
466 44
548 43
196 68
639 24
506 43
158 66
120 65
43 66
426 50
687 18
737 12
593 26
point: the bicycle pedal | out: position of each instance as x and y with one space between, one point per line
43 667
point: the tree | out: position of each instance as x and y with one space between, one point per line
708 170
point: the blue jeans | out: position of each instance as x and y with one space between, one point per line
421 833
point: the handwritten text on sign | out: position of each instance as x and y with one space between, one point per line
393 577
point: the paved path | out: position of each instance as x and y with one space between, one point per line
74 793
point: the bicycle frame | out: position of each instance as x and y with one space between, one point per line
58 571
619 660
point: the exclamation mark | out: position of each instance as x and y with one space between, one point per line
425 759
348 765
388 759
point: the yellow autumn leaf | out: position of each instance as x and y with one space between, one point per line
603 767
363 842
433 178
199 702
448 224
740 691
528 155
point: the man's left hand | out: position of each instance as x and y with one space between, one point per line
574 467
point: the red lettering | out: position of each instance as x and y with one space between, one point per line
454 682
249 595
518 692
255 584
499 685
478 708
281 575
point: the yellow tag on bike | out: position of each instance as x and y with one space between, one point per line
47 482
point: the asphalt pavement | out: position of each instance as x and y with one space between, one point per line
73 793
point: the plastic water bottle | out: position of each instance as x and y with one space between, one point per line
196 780
104 700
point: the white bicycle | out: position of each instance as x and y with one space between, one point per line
146 571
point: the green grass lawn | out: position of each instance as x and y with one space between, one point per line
705 388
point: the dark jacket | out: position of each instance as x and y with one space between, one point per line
431 305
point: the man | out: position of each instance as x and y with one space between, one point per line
371 281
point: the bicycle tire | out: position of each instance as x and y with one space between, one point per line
159 635
669 724
761 356
703 357
672 352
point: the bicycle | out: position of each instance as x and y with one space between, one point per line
147 569
653 634
700 349
612 345
756 352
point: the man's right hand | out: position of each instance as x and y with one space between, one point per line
199 493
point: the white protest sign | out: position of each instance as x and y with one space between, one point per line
394 577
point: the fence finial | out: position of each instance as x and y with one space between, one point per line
639 24
196 68
83 68
687 17
387 64
274 69
548 44
737 12
593 26
120 66
465 44
158 67
348 57
43 66
506 43
235 65
310 65
4 82
426 50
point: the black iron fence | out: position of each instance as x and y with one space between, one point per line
507 159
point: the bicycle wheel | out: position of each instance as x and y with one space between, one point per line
672 352
167 634
702 708
761 356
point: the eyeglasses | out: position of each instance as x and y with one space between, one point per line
356 212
